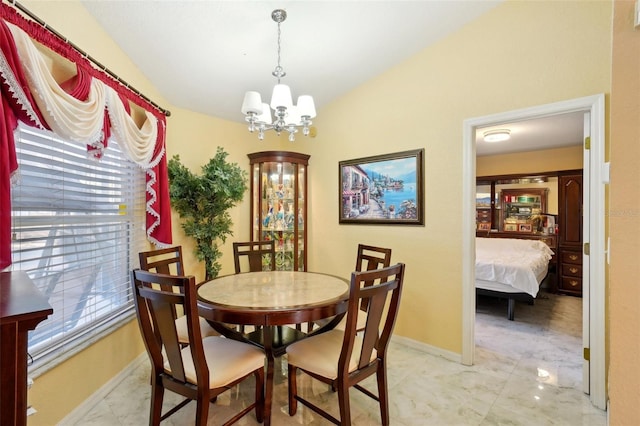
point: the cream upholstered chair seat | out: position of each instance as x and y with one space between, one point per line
228 360
183 333
320 354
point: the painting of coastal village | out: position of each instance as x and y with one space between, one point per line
384 189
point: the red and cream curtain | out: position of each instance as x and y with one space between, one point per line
87 108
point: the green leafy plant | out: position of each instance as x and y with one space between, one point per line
203 201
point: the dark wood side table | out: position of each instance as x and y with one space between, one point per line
22 308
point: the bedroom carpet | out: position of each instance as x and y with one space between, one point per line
527 372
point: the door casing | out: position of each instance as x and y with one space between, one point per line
594 183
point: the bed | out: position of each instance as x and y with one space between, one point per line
511 269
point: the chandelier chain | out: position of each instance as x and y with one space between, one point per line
279 71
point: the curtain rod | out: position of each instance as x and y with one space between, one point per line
90 58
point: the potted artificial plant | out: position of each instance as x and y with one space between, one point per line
203 201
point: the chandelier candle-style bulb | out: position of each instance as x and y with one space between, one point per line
286 116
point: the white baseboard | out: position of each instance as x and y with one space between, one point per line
429 349
88 404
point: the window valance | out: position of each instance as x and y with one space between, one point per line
88 108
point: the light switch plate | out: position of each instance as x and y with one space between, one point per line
606 173
636 20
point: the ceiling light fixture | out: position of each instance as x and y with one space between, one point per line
288 117
498 135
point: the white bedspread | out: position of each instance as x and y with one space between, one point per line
521 264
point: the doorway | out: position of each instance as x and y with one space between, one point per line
594 181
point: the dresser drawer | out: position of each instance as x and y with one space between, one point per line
571 284
573 257
571 270
550 241
484 214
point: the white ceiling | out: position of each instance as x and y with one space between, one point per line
556 131
204 55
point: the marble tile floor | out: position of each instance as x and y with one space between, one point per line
526 372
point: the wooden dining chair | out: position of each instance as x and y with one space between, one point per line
169 261
203 369
368 258
343 358
254 256
259 256
372 257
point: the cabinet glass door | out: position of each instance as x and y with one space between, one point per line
278 206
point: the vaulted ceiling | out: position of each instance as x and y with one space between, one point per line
204 55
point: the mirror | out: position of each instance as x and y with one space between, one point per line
491 215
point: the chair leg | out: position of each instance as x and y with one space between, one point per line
343 401
202 410
293 390
383 394
259 395
157 394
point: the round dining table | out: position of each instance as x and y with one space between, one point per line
271 301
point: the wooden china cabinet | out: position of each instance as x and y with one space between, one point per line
278 205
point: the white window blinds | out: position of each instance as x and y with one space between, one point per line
77 226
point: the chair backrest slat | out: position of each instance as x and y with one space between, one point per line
167 261
384 291
163 261
254 252
370 258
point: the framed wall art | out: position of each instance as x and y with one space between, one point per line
385 189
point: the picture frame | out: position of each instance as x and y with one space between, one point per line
511 227
384 189
484 226
525 227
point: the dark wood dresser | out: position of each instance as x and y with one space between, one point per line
22 308
570 234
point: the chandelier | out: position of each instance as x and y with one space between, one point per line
286 116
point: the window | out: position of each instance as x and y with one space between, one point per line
77 225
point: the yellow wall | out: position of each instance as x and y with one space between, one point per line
57 392
548 160
624 297
518 55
